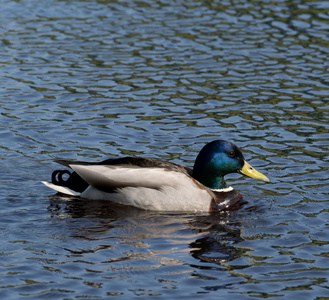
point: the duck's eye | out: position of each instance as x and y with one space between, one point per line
231 154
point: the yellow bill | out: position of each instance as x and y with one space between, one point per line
249 171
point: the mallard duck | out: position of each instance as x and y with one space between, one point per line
153 184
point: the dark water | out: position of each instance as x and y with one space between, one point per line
91 79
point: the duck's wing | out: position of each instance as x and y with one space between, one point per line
67 163
143 183
110 177
131 161
112 174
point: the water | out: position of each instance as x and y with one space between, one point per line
92 79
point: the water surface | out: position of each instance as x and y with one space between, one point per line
93 79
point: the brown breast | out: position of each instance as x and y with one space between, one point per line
224 200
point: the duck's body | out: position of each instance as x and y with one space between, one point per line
159 185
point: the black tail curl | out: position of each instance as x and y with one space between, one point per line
73 182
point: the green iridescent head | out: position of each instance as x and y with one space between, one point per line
219 158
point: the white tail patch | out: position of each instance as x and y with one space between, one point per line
61 189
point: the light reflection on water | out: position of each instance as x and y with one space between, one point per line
86 80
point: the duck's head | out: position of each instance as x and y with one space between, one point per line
218 158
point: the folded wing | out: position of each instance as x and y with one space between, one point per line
110 177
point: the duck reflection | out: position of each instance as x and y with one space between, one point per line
209 238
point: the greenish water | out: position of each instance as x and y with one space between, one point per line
96 79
